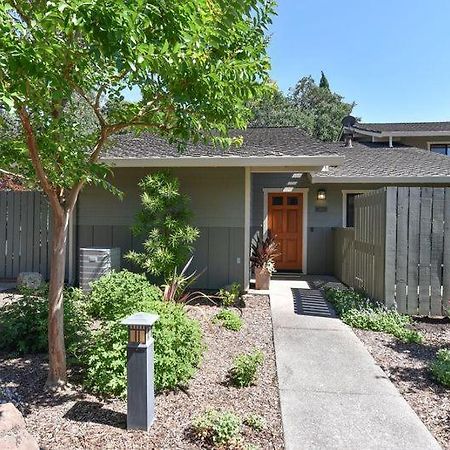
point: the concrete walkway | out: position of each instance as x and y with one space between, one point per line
333 395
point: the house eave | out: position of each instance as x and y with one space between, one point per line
386 134
382 180
229 161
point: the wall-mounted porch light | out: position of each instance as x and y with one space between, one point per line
321 194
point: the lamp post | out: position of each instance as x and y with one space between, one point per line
140 387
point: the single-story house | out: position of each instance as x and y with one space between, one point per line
280 179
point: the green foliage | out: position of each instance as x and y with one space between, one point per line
357 311
218 428
195 63
229 320
229 297
440 367
313 108
323 83
119 294
178 339
245 368
164 221
255 422
24 325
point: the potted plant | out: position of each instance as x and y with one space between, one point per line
264 252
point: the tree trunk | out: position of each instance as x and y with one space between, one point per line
56 348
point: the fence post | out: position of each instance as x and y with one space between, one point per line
390 246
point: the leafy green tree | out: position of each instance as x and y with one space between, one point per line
197 64
323 83
315 109
164 221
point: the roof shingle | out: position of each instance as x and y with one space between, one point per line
404 127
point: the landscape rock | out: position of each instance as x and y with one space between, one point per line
13 434
30 280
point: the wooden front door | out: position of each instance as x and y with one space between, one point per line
285 221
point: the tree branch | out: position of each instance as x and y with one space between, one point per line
36 160
11 174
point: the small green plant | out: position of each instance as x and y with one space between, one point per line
245 368
229 320
255 422
217 427
178 339
164 222
229 297
118 294
24 322
359 312
440 367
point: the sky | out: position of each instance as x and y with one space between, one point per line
391 57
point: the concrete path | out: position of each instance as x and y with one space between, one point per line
333 395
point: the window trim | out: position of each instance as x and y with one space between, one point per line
344 202
447 143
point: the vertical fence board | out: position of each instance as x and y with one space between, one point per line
446 254
425 251
402 247
437 247
45 230
390 246
29 244
413 250
3 225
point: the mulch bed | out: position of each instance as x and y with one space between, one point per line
407 367
77 420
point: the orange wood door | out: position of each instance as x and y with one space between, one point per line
285 217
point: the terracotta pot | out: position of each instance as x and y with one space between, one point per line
262 278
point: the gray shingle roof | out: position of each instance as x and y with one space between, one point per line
258 142
405 127
375 160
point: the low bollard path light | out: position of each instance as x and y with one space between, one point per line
140 377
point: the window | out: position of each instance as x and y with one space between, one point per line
292 201
349 207
277 201
443 149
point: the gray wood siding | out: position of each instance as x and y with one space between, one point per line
217 202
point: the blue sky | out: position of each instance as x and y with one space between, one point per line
391 57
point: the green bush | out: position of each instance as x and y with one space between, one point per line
245 368
255 422
440 367
178 339
118 294
357 311
229 297
24 322
229 320
218 428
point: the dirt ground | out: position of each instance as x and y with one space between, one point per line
407 367
75 419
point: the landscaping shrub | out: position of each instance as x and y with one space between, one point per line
440 367
218 428
164 223
245 368
119 294
178 340
255 422
229 320
229 297
359 312
24 322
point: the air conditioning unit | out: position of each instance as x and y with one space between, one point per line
95 262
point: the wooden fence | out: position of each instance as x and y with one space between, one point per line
24 234
399 251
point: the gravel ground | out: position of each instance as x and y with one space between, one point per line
76 420
407 367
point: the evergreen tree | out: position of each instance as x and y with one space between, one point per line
323 83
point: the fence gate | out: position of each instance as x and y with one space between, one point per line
399 250
24 234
